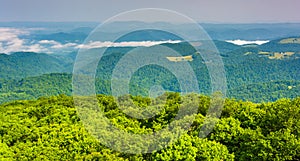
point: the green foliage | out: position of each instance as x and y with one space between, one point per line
194 148
35 87
268 131
50 129
24 64
276 46
251 77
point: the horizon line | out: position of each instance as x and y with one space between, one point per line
199 22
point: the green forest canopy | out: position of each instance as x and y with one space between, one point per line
50 129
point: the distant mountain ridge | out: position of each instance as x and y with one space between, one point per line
23 64
246 67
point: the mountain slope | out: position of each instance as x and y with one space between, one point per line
249 73
24 64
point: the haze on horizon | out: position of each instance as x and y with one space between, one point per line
209 11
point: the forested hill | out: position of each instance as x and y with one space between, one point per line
258 73
57 83
260 119
23 64
50 129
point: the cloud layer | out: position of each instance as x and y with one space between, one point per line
245 42
11 41
99 44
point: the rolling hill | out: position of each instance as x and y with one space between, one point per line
24 64
250 75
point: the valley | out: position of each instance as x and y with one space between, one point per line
41 117
245 66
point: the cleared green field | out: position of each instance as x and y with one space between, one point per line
183 58
290 41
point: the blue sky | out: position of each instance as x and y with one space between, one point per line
229 11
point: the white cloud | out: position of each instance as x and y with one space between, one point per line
11 33
1 48
10 41
61 46
244 42
35 48
15 45
99 44
57 45
51 42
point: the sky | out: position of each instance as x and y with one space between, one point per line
216 11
